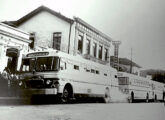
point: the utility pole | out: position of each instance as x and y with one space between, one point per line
116 53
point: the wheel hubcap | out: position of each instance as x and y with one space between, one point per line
65 94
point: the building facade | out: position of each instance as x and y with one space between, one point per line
91 43
49 29
13 44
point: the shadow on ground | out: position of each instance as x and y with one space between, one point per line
41 100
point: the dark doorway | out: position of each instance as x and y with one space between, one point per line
12 54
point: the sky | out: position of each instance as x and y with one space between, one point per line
138 24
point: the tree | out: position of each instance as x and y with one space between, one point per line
159 77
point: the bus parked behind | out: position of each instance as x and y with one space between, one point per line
139 88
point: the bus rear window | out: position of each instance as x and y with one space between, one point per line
123 80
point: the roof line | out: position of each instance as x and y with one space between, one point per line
92 28
39 9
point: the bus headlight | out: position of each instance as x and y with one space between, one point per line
20 83
48 82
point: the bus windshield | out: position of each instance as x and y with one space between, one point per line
40 64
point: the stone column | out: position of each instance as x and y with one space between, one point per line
84 44
75 42
1 53
91 46
3 57
103 56
19 58
97 50
109 59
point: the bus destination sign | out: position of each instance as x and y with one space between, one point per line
37 54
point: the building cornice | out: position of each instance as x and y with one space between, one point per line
13 28
15 36
80 21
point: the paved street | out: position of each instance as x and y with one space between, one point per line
84 111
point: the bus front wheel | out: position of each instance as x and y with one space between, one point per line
131 100
147 98
155 99
67 94
107 96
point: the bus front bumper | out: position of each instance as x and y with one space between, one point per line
30 92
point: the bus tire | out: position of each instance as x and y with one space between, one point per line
131 100
67 94
163 97
155 99
107 96
147 98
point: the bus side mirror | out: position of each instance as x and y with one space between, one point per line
62 68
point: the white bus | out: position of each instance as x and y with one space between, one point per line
157 90
139 88
57 73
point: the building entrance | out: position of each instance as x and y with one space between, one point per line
13 55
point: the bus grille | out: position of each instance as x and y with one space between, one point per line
35 83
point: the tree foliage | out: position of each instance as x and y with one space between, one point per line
159 77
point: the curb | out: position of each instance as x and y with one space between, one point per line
12 100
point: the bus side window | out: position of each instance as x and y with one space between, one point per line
97 72
92 71
105 74
87 70
76 67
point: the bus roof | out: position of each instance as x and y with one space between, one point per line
124 74
76 58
